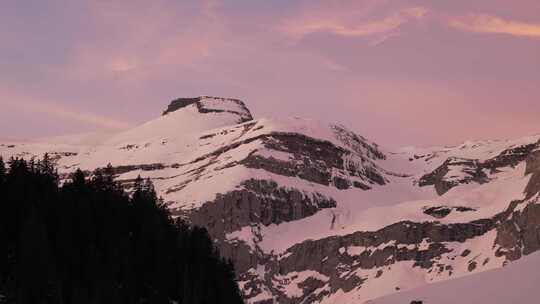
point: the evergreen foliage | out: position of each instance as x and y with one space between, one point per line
87 241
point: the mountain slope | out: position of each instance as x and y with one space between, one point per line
515 283
311 212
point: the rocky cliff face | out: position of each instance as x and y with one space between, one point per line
455 171
210 104
311 212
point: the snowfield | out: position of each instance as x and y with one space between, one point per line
278 193
516 283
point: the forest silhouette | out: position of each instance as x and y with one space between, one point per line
85 240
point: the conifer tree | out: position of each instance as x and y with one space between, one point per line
138 184
108 177
2 170
33 262
47 167
78 178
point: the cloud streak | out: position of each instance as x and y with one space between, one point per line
362 29
483 23
86 118
61 112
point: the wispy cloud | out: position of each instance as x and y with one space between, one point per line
483 23
86 118
147 38
56 111
122 65
357 29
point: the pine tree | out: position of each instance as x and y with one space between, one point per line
78 178
138 184
97 177
2 170
47 166
33 265
4 213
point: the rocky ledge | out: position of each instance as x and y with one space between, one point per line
455 171
210 104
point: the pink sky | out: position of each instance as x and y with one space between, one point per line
398 72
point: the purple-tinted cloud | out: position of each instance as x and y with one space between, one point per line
400 72
331 24
483 23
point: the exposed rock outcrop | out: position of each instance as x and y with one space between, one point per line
316 161
341 258
519 233
443 211
533 168
455 171
510 157
452 172
259 202
210 104
180 103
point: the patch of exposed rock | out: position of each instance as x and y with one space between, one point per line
510 157
533 168
338 258
452 172
443 211
357 143
313 160
239 108
519 233
258 202
455 171
316 161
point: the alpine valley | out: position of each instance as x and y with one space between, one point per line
311 212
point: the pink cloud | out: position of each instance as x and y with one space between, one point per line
144 37
53 109
336 26
483 23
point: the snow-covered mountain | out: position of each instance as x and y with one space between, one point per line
311 212
515 283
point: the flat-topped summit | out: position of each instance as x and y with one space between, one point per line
211 104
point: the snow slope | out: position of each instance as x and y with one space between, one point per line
516 283
311 212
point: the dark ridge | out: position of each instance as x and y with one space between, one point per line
181 103
244 115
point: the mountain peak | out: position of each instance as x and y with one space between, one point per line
211 104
